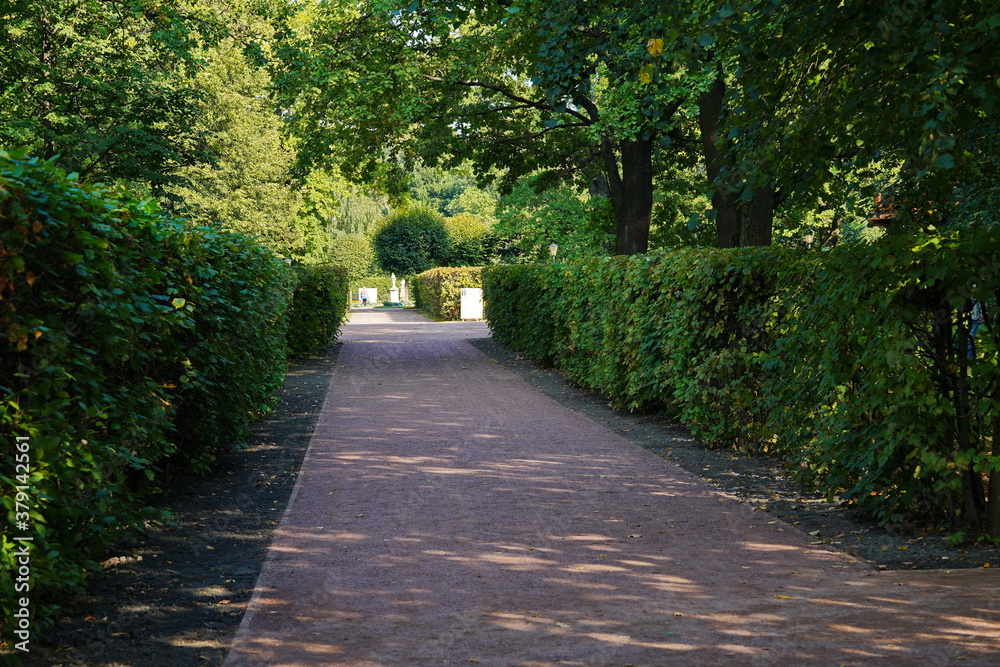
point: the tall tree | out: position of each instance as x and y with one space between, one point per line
100 85
514 87
912 80
248 186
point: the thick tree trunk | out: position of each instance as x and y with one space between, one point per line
727 226
737 223
633 214
631 193
757 218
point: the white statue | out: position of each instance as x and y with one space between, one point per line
394 291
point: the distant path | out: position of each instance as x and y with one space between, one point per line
448 513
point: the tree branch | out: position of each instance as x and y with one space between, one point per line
543 106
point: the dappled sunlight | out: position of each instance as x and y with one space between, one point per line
850 629
441 521
770 548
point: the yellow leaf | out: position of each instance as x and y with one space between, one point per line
645 75
654 46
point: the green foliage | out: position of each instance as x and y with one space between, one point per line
248 187
905 396
340 208
412 241
319 306
537 213
512 90
451 192
862 81
354 252
857 365
520 304
439 291
231 359
474 243
101 86
128 338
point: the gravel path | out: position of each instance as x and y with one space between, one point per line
449 513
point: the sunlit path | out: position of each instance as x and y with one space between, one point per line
447 513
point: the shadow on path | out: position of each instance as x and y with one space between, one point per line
449 513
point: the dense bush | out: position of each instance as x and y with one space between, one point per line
439 291
856 365
128 339
318 308
473 243
412 241
354 253
230 358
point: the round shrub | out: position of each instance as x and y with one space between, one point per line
412 241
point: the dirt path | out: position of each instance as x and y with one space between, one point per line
448 513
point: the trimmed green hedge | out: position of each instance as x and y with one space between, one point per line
318 308
128 339
854 365
439 291
382 283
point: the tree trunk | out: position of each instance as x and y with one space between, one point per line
631 193
757 218
633 214
737 223
727 226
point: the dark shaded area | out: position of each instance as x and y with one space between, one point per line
758 480
177 595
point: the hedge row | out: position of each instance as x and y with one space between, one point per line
318 308
858 365
128 340
439 291
381 283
